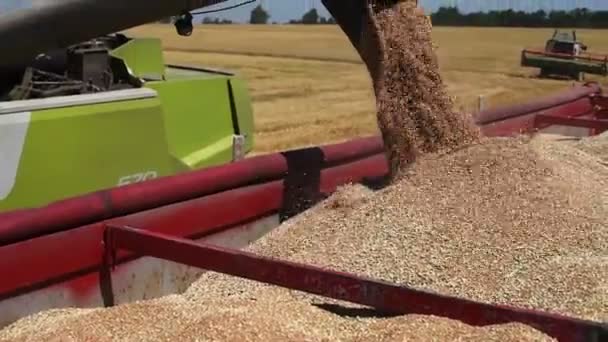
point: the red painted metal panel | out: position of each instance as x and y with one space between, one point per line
353 150
542 121
55 257
372 167
343 286
571 95
74 212
82 210
44 260
525 123
196 217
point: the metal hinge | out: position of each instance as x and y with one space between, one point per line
238 147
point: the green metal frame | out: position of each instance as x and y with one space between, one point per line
188 121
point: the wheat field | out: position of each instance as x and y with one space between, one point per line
309 86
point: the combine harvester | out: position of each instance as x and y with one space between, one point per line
106 110
154 238
563 56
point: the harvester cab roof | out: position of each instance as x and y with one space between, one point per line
564 42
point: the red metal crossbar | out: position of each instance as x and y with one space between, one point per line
377 294
597 126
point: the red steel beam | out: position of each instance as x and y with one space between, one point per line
118 201
370 168
378 294
525 123
338 154
552 102
78 211
543 121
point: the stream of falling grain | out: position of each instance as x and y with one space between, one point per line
414 111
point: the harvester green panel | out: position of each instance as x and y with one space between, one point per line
138 57
244 111
67 146
198 120
80 149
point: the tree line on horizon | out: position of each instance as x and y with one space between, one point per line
578 18
451 16
260 16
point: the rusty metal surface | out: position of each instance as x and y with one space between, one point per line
378 294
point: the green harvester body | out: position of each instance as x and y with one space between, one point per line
84 108
180 119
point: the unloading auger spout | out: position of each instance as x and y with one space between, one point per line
55 24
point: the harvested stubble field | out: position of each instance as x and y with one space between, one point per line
309 85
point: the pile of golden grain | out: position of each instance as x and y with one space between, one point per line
516 221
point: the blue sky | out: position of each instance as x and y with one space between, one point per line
284 10
7 5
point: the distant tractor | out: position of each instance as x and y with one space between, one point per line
565 56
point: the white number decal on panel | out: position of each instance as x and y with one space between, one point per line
13 133
138 177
